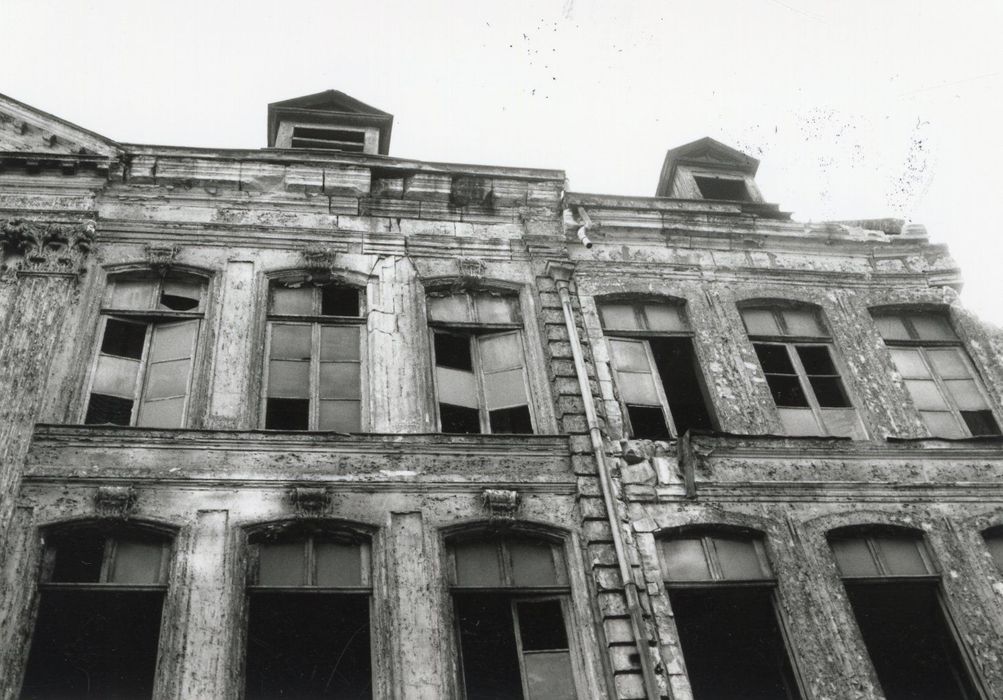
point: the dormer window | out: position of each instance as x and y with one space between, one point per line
329 139
725 188
329 121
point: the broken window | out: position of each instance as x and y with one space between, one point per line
724 603
510 596
98 624
313 373
149 337
655 366
894 591
795 351
938 374
726 188
480 368
308 617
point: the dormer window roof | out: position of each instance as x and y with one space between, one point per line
329 121
708 169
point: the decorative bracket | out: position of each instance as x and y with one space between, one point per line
311 500
501 504
160 258
320 258
115 501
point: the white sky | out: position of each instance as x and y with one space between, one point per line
857 108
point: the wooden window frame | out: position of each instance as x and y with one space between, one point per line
110 551
308 541
316 321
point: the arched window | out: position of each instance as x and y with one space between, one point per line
722 592
101 599
894 590
656 371
480 365
510 598
795 351
308 615
149 336
315 348
938 373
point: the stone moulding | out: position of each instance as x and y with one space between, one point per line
501 504
115 501
40 247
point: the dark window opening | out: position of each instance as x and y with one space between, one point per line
732 644
488 647
339 301
459 419
909 641
332 139
79 556
108 409
511 420
781 377
541 625
287 414
308 646
453 351
723 188
822 376
677 366
648 423
123 339
980 423
178 303
90 644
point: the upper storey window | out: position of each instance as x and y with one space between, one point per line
313 373
480 367
795 351
149 334
657 376
938 374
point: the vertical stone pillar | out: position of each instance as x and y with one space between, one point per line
198 646
230 376
17 590
416 632
399 388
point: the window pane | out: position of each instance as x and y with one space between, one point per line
290 342
339 380
901 555
738 559
123 339
133 294
78 557
289 379
980 422
532 563
932 328
760 322
909 363
618 317
166 379
488 650
505 389
891 328
853 557
829 392
948 363
803 322
115 376
511 420
629 355
549 676
281 564
344 416
842 423
459 419
287 414
942 424
495 309
338 564
637 388
449 309
339 343
774 358
541 625
665 317
172 341
286 300
453 351
136 562
816 359
684 560
799 421
181 294
108 409
966 394
926 395
500 351
648 423
162 413
456 387
786 391
339 301
477 564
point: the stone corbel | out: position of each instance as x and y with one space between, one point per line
161 257
311 500
320 259
501 504
115 501
39 247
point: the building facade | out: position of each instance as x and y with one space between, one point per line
317 421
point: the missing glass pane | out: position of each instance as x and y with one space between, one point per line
541 625
981 423
774 358
123 339
677 367
722 188
829 392
287 414
108 409
78 557
459 419
786 391
648 422
511 420
488 647
453 351
339 301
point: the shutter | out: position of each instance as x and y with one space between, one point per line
503 370
168 374
634 376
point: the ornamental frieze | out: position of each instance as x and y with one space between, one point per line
40 247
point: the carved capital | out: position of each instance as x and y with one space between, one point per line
501 504
39 247
161 257
115 501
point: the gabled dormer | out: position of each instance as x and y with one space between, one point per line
707 169
329 121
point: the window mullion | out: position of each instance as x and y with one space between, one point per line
659 388
482 403
710 554
809 392
107 559
314 389
144 365
518 646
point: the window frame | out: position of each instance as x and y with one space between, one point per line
472 331
316 322
791 342
916 342
644 334
151 318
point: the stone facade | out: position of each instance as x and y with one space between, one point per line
78 211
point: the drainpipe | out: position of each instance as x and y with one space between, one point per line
562 276
586 220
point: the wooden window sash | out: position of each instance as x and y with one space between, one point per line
517 631
656 379
946 394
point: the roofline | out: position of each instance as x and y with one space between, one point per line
68 124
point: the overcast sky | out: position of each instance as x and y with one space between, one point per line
857 109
